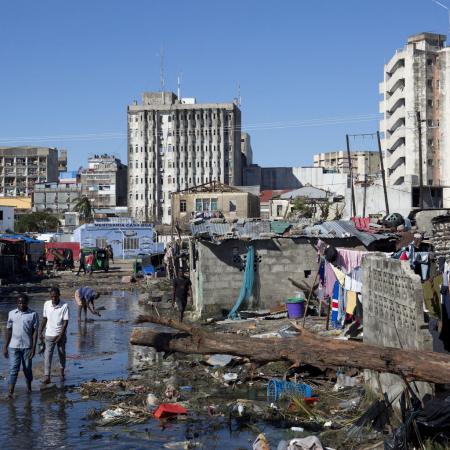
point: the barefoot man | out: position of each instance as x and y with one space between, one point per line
55 320
21 338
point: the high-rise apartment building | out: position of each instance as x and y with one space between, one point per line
417 79
175 144
104 181
22 167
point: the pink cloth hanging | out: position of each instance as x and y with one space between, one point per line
349 259
330 279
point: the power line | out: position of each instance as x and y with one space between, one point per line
251 127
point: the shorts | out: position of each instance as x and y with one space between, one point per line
78 300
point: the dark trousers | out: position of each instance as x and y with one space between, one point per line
181 303
81 267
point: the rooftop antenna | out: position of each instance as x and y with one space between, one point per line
239 95
445 7
161 72
180 76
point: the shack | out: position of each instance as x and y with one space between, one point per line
126 236
218 253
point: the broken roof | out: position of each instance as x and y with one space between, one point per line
219 229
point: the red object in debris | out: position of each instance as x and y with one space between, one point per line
311 400
169 409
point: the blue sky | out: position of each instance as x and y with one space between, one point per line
70 68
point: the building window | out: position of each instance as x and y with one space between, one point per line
214 204
430 103
131 243
279 210
1 215
198 205
429 62
430 182
430 162
232 205
430 83
182 205
137 196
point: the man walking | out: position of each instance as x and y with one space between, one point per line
84 298
181 291
55 320
82 266
21 338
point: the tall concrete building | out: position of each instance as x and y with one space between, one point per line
22 167
417 79
246 149
363 162
175 144
104 182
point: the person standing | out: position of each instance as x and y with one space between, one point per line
181 291
82 266
84 298
21 338
55 320
110 252
90 263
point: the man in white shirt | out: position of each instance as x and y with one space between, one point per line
55 320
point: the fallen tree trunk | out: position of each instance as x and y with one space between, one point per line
307 348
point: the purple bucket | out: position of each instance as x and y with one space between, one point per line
295 308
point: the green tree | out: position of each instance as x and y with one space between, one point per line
84 206
37 222
303 208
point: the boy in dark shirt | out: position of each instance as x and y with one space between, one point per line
181 290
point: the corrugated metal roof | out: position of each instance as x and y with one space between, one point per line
343 229
258 229
306 192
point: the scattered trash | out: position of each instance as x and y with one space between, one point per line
169 410
307 443
219 360
113 413
298 429
276 388
261 443
344 381
186 388
152 400
229 376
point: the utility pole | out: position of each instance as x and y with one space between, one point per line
351 176
419 128
365 195
383 175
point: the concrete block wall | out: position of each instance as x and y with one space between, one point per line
219 273
441 236
393 313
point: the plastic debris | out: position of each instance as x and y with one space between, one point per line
307 443
152 400
298 429
113 413
219 360
169 409
261 443
229 376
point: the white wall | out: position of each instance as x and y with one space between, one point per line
7 220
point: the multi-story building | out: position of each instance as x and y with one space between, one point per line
416 80
22 167
104 182
363 162
246 150
55 197
175 144
62 161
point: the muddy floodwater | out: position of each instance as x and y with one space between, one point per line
99 349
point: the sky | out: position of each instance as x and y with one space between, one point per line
308 71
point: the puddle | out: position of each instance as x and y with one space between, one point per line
99 349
